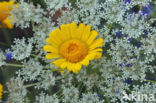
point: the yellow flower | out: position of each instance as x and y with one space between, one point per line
1 90
5 8
73 46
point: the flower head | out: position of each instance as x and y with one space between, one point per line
5 8
117 92
73 46
146 10
128 81
8 55
1 90
127 1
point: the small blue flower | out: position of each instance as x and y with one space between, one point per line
126 35
99 95
130 40
119 34
117 92
138 44
128 65
146 10
146 32
121 64
127 1
128 81
8 55
131 57
134 42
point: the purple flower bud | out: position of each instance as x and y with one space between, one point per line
130 40
8 55
147 9
119 34
128 65
138 44
131 57
146 32
99 95
128 81
117 92
127 1
126 35
120 64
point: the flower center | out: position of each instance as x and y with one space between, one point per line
74 50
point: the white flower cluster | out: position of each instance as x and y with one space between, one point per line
55 4
26 13
31 70
43 98
22 49
128 53
90 98
17 90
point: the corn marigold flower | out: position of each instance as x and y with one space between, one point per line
73 46
1 90
5 8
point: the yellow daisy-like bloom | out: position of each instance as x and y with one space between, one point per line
1 90
73 46
5 8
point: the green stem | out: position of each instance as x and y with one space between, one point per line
6 36
60 98
58 91
80 86
4 44
129 90
31 85
14 65
107 99
37 56
151 81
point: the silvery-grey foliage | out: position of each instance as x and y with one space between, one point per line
106 76
2 58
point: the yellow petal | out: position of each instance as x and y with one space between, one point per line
7 23
98 55
96 43
70 66
92 37
73 30
50 48
91 56
53 43
65 30
77 68
52 55
95 50
58 62
55 36
64 65
86 33
80 30
85 61
61 35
